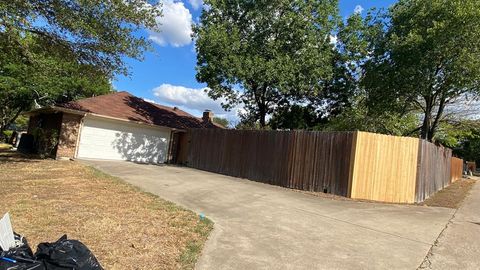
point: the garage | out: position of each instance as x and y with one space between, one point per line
115 126
102 138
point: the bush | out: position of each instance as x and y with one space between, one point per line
45 141
7 134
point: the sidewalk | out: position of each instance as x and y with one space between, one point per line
458 246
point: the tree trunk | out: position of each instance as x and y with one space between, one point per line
425 127
262 106
6 123
427 119
262 114
2 129
436 121
262 121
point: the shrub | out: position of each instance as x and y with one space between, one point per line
7 134
45 141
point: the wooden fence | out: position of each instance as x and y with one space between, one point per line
456 169
314 161
353 164
385 168
433 169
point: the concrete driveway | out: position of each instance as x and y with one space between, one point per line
258 226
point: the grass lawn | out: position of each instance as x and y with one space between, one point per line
124 227
4 146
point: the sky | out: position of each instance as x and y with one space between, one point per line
167 74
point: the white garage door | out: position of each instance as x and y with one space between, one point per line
117 140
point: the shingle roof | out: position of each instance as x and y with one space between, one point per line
125 106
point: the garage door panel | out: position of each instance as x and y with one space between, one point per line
105 139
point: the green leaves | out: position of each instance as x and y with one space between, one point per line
31 72
260 52
60 50
94 32
427 55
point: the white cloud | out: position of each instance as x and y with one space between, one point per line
193 100
333 40
358 9
196 4
175 25
464 107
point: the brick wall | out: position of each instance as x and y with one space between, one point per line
69 132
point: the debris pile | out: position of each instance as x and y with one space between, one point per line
16 254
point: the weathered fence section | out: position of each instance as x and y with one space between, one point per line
320 161
433 169
314 161
456 169
385 168
257 155
353 164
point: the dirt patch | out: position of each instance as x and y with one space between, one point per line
123 226
451 196
326 195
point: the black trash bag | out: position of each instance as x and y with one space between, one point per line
23 256
66 254
23 250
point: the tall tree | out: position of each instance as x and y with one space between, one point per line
260 52
336 99
221 121
95 32
31 74
59 50
427 57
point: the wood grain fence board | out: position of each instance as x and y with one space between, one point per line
456 169
355 164
434 167
295 159
385 168
352 163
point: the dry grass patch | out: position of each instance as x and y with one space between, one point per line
5 146
124 227
451 196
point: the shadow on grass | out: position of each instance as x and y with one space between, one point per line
9 155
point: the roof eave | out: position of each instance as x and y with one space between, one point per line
54 109
134 122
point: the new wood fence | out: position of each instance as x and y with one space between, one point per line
456 169
385 168
352 164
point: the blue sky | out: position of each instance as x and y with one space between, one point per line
167 75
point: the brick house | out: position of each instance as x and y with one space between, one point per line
117 126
